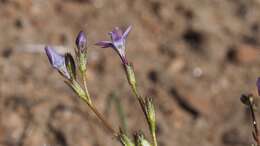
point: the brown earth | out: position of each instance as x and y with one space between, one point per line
194 57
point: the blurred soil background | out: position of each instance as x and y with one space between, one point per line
194 57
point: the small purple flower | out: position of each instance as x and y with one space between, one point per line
118 40
258 85
81 41
57 61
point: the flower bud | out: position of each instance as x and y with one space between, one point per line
81 54
140 140
245 99
150 114
57 61
248 100
70 65
130 75
81 42
125 140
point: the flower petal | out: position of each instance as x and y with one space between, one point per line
127 31
116 34
81 41
57 61
105 44
118 39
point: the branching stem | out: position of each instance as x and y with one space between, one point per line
94 109
142 104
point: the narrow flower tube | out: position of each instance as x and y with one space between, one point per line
57 61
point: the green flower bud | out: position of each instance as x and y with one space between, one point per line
125 140
130 75
70 65
150 114
140 140
248 100
81 51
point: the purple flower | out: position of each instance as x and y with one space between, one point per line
258 85
81 41
118 39
57 61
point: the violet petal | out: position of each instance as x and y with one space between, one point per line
105 44
116 34
57 61
81 41
127 31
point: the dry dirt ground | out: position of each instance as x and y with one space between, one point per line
194 57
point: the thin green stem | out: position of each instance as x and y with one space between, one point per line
139 98
102 119
134 90
142 104
154 139
94 109
84 77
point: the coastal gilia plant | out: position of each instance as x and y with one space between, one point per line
67 66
